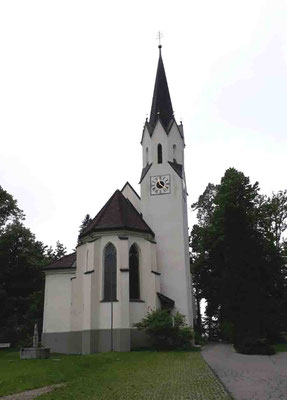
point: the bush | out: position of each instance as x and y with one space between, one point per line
166 331
199 339
254 346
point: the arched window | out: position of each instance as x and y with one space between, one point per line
134 273
174 152
146 155
159 154
110 273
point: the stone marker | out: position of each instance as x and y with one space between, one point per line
35 351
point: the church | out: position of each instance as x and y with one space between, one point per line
133 257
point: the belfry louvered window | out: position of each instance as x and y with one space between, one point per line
110 273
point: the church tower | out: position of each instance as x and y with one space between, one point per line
163 195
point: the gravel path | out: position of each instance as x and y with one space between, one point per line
31 394
249 377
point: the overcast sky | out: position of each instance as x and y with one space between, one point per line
76 84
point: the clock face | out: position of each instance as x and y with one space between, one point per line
160 184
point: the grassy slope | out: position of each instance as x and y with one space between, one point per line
135 375
280 347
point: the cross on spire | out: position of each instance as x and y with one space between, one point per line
161 103
159 36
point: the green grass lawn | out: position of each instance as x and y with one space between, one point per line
135 375
280 347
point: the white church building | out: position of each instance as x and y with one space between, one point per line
134 255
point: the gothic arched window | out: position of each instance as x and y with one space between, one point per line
159 154
134 273
110 273
146 155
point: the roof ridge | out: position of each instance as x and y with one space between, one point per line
122 209
128 184
118 214
98 215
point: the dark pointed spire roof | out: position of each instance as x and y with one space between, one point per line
161 103
118 214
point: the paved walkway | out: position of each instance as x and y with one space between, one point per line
248 377
31 394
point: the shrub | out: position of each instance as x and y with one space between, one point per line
166 331
199 339
254 346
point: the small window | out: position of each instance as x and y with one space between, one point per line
110 273
146 155
159 154
87 260
174 152
134 273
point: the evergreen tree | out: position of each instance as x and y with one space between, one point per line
21 282
57 253
86 221
238 267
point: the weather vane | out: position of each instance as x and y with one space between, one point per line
159 36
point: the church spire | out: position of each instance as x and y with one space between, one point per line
161 103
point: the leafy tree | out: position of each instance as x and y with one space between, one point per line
9 209
21 282
273 216
197 266
237 266
205 205
21 277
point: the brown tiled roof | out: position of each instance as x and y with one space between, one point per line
117 214
65 262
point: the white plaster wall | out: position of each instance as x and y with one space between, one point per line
147 263
167 216
129 194
96 285
84 308
146 144
104 319
79 297
174 137
57 302
159 137
125 313
167 141
137 312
